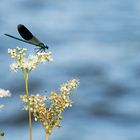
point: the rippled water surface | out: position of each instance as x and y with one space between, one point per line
95 41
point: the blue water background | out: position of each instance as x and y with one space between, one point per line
96 41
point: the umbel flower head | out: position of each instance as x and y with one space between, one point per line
27 63
50 115
4 93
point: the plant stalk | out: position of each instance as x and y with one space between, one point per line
29 111
47 136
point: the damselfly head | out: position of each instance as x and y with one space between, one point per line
41 45
46 47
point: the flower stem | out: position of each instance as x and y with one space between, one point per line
30 115
47 136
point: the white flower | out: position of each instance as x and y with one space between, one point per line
4 93
12 52
14 67
27 63
35 119
69 86
44 56
64 88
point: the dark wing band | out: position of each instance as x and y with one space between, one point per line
24 32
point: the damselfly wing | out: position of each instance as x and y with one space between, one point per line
29 38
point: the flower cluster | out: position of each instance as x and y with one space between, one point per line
36 101
69 86
62 100
50 115
4 93
30 63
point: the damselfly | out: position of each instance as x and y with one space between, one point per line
29 38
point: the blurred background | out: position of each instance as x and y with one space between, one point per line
95 41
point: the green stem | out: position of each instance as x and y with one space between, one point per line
47 136
30 115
